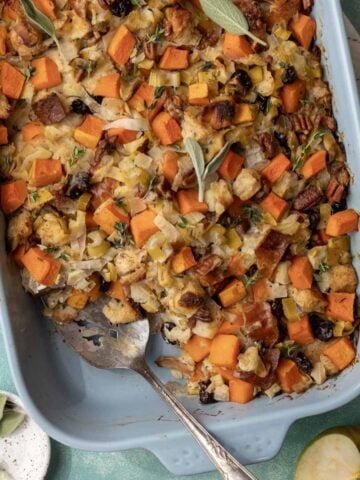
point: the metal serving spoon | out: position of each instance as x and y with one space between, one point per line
123 346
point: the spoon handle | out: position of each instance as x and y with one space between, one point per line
226 464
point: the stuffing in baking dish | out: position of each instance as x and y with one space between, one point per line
186 173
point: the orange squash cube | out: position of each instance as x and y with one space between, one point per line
233 293
288 375
301 272
183 260
143 227
236 46
240 391
341 352
342 223
108 86
32 130
90 131
315 164
231 166
275 205
166 128
174 59
11 81
300 331
198 347
225 350
42 267
108 215
341 306
12 195
278 165
121 45
46 74
45 172
188 201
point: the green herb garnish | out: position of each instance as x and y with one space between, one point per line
41 21
207 66
323 267
157 35
229 17
34 196
305 149
77 153
120 202
182 223
124 235
159 92
154 181
252 214
29 72
196 154
251 279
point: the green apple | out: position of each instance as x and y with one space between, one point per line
333 455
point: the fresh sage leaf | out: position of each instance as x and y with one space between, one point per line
40 20
228 16
3 401
10 422
194 149
215 163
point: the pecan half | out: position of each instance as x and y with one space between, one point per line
191 300
307 199
149 49
174 106
207 265
328 122
302 124
267 143
203 315
338 184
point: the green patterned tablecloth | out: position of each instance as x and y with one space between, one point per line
73 464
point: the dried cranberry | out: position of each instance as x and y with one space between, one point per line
120 8
104 285
78 106
167 326
204 395
314 218
289 76
322 329
277 308
263 103
283 142
302 362
339 207
78 184
243 77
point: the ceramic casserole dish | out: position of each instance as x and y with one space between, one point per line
96 410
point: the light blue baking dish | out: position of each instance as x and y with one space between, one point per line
97 410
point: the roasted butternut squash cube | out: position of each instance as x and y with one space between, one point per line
45 172
42 267
183 260
174 59
341 352
108 215
121 45
11 81
244 113
90 131
199 94
108 86
46 74
233 293
225 350
143 227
